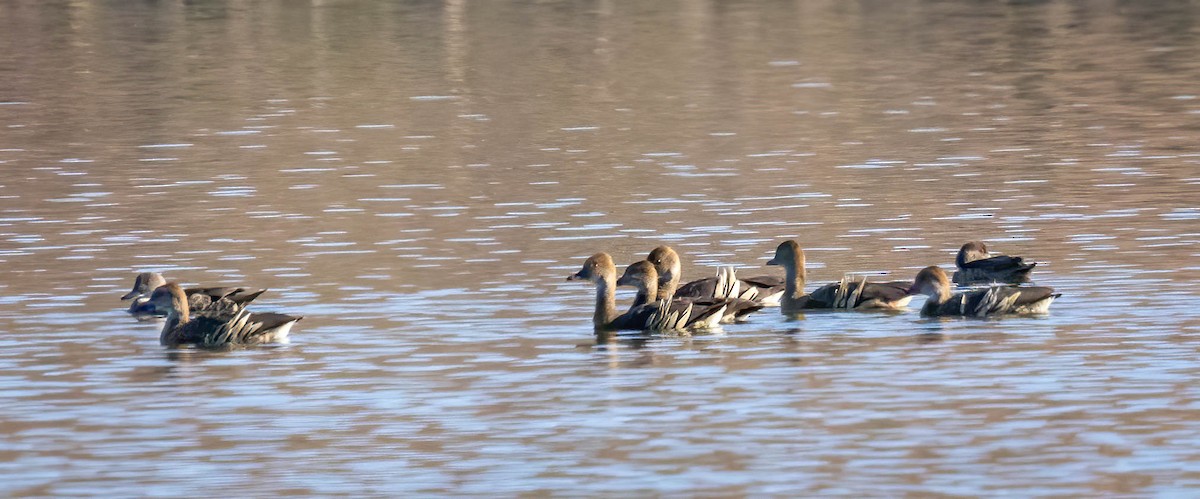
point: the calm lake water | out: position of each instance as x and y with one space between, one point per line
418 178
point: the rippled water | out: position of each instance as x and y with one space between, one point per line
417 180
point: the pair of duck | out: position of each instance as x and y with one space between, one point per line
662 304
211 317
662 310
975 265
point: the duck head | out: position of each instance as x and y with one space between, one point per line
642 276
788 253
169 298
667 265
596 268
664 259
145 283
974 250
931 281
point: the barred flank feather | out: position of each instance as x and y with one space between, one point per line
727 283
765 288
848 292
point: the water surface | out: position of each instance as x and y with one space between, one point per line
418 179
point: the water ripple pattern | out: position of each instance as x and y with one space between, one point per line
417 179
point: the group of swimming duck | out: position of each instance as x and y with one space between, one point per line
207 317
663 304
217 317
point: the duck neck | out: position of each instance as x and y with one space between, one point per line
667 284
966 256
606 302
793 298
940 295
930 308
170 330
794 278
647 293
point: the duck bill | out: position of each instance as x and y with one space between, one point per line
576 277
130 295
773 261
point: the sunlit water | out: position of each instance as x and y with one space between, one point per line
417 180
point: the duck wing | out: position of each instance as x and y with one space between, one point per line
209 318
999 262
998 300
202 298
247 328
736 309
824 296
764 282
214 293
1002 268
244 296
674 315
767 289
1029 295
888 292
223 322
700 288
849 294
724 285
237 294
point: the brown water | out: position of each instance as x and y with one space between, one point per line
417 179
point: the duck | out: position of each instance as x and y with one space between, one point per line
644 277
977 266
660 315
198 298
988 302
843 295
221 324
766 289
